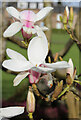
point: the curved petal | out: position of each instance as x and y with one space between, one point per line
9 112
44 28
34 76
15 55
13 12
58 65
27 15
71 69
43 13
38 48
29 30
17 65
12 29
43 69
20 77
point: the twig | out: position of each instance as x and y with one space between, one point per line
66 48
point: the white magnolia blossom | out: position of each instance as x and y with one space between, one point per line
37 52
9 112
26 20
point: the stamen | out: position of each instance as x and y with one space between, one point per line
24 43
49 59
56 56
51 85
61 58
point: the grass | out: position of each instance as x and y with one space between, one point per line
59 39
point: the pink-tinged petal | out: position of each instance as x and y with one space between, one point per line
13 12
29 30
12 29
34 76
43 13
38 48
25 34
27 15
71 69
20 77
17 65
9 112
27 24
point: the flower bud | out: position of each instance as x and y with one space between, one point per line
71 17
71 14
66 15
67 12
30 101
69 80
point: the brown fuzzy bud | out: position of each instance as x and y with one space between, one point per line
57 91
69 80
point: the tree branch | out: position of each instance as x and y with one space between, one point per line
67 47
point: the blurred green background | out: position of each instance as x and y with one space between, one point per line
58 41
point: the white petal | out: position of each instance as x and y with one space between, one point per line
43 69
17 65
71 69
13 12
44 28
15 55
27 15
20 77
12 29
29 30
58 65
43 13
37 50
40 31
9 112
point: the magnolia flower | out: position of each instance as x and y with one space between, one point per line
37 52
26 20
9 112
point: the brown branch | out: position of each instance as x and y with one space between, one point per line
67 47
18 40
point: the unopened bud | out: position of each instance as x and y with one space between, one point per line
67 12
30 101
69 80
66 15
71 14
71 17
57 90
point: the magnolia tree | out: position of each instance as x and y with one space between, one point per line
42 75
